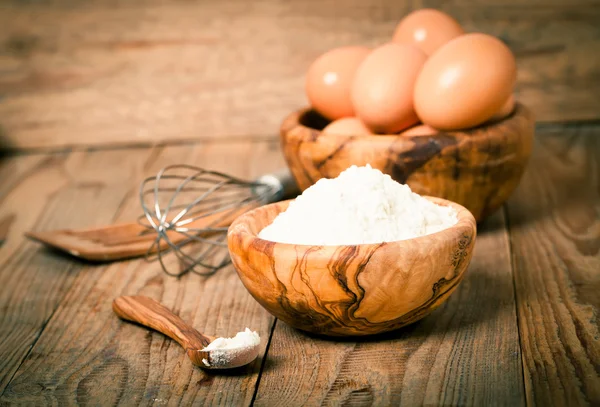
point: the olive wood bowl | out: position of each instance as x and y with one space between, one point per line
477 168
350 290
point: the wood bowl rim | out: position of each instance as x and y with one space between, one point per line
292 121
466 220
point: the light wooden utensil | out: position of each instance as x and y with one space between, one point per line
187 211
106 243
478 168
354 289
150 313
115 242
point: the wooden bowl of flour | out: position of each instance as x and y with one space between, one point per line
355 289
477 168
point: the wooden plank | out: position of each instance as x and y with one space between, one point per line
87 355
554 220
465 353
12 171
45 192
100 72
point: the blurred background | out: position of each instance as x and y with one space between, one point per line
107 72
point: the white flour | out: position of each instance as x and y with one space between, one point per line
362 205
224 350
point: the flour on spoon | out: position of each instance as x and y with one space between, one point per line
223 350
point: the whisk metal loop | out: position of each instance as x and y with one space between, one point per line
190 208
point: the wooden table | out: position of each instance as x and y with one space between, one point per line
95 96
521 329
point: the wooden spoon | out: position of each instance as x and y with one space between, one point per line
150 313
121 241
127 240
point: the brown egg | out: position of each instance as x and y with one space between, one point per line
465 82
506 109
420 130
346 126
428 29
382 92
329 79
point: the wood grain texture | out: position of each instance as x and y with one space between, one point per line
152 314
55 313
103 72
476 168
121 241
465 353
45 192
351 290
86 355
554 220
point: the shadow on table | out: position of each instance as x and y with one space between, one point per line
555 182
477 302
258 365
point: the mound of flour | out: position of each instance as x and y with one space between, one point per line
361 205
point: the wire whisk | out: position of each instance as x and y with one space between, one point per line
190 209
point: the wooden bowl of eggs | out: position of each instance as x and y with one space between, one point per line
350 290
433 108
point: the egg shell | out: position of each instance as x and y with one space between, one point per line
465 82
346 126
329 80
506 109
420 130
382 92
427 29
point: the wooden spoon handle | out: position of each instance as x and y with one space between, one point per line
150 313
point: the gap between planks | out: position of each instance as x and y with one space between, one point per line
541 126
83 147
554 228
512 267
263 362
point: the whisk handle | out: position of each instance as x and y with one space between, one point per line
284 183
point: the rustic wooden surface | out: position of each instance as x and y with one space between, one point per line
522 328
105 72
60 340
554 224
